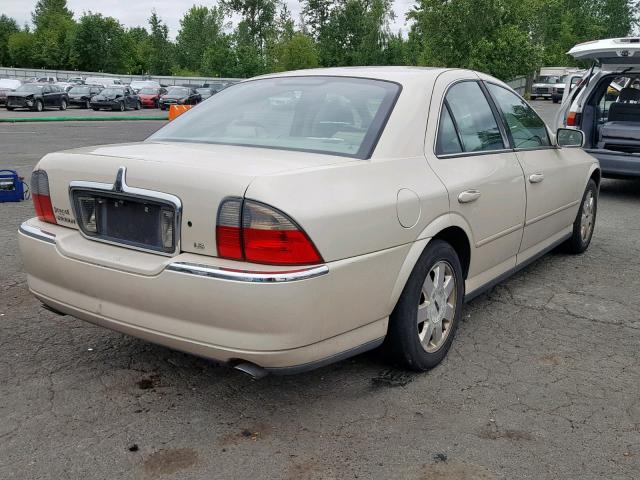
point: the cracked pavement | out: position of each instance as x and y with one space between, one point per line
542 381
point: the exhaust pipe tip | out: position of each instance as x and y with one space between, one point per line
254 371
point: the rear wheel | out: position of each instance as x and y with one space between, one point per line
424 321
585 221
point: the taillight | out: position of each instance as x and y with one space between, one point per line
571 119
41 196
228 229
255 232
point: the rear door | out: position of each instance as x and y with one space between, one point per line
48 96
480 171
554 181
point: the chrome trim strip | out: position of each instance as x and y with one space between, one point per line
552 212
120 187
498 235
38 234
245 275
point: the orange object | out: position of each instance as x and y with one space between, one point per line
177 110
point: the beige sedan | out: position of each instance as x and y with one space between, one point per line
296 219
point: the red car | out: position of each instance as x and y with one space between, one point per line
150 96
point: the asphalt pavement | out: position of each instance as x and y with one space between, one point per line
542 381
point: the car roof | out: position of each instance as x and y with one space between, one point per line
390 73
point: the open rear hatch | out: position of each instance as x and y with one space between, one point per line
613 54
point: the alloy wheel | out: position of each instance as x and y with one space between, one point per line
586 221
437 307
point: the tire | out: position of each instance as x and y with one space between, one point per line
585 221
437 299
532 97
10 109
555 100
87 105
156 104
95 109
162 107
38 106
122 107
138 105
63 104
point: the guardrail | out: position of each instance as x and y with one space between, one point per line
61 75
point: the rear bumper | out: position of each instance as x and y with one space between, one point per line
282 321
615 164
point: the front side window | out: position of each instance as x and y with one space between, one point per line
477 126
526 127
335 115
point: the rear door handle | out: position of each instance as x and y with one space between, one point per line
469 196
536 177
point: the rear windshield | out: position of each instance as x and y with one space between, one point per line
149 91
112 91
335 115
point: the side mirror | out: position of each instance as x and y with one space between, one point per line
570 138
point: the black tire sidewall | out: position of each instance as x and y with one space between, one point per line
575 243
39 106
403 328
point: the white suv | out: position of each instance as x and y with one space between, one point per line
606 104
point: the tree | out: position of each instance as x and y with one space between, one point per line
296 53
161 49
138 50
53 35
8 27
258 19
200 28
20 46
100 44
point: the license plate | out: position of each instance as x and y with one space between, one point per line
138 223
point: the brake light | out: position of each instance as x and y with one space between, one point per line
41 196
571 119
255 232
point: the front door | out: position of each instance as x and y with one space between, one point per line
550 174
483 176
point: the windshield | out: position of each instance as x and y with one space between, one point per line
112 91
149 91
29 87
203 90
178 91
80 90
548 79
336 115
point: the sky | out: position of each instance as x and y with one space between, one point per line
136 12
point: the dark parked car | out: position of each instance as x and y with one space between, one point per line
179 96
150 96
116 98
37 97
206 92
81 95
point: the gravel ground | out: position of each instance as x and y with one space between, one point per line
542 381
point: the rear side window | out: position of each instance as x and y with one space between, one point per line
448 141
477 126
526 127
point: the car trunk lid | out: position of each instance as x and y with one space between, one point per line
199 175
